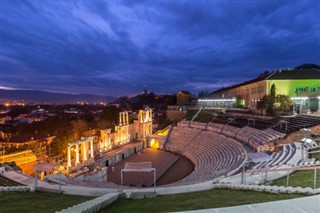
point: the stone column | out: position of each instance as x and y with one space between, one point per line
141 118
69 156
36 179
127 118
84 150
150 115
41 175
91 148
126 134
105 141
77 154
120 119
319 104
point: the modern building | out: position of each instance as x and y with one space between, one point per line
302 86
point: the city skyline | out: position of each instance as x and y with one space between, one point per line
109 48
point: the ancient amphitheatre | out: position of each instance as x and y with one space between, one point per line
214 151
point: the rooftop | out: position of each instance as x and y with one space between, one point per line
278 75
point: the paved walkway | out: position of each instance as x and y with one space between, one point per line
306 204
90 191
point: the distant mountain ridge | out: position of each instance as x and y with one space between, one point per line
50 97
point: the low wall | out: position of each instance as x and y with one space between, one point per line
93 205
16 189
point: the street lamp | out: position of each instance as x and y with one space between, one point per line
243 178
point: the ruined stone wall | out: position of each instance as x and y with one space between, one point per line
296 136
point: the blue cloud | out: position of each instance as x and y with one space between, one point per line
117 48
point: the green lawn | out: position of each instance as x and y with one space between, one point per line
301 178
36 202
316 155
196 200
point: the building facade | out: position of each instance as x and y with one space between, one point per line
183 98
84 150
302 86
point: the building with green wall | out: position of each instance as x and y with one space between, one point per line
302 86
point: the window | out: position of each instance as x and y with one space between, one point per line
313 89
301 89
261 89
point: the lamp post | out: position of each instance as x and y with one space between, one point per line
243 177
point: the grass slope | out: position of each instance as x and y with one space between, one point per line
36 202
196 200
301 178
5 182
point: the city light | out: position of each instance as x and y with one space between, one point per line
299 98
215 100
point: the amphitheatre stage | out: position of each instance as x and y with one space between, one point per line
161 160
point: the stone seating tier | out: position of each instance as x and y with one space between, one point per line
212 154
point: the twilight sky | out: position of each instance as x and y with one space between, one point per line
109 48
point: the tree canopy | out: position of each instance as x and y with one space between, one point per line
271 100
110 114
274 104
283 103
307 67
203 94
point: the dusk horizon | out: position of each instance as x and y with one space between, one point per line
118 49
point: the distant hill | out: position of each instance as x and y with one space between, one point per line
49 97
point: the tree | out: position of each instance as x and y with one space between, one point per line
203 94
307 67
78 127
62 129
283 103
16 111
170 100
263 103
60 143
239 103
103 124
111 114
271 100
